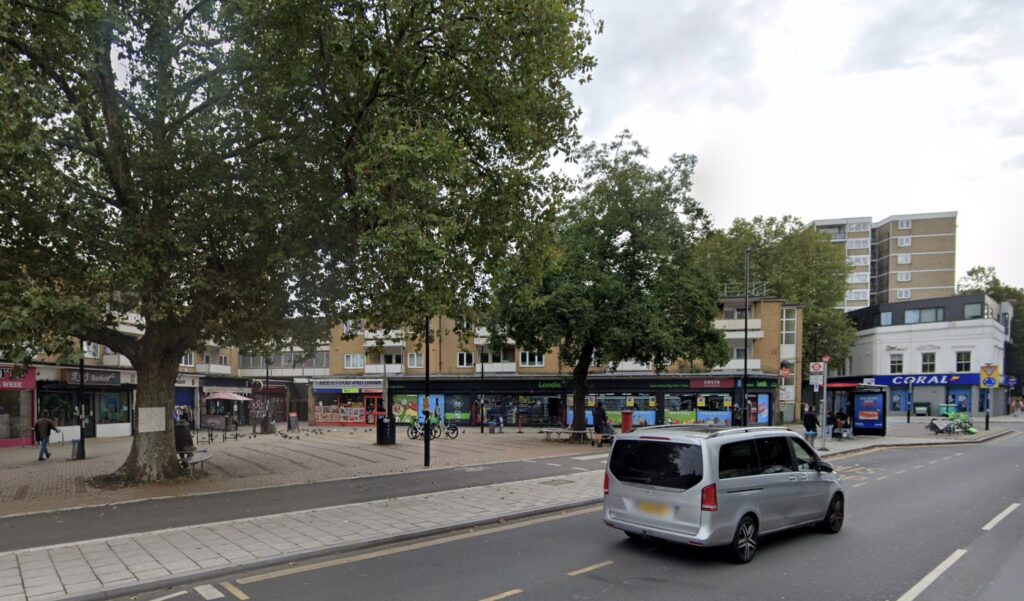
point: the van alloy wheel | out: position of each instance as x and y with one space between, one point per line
833 521
744 542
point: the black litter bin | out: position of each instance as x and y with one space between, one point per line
385 430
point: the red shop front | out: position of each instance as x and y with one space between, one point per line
17 406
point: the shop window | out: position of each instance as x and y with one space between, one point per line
531 359
415 359
112 408
355 361
15 414
911 316
963 361
465 359
896 363
927 363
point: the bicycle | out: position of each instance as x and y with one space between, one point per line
415 430
451 430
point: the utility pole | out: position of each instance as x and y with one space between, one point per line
426 396
746 318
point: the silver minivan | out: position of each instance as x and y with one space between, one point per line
725 487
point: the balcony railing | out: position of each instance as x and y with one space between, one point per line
737 324
213 368
117 360
737 365
378 369
505 367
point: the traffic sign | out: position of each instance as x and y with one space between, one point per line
817 379
784 372
989 383
825 358
817 367
989 375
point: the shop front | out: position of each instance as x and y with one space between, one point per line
931 394
531 402
347 401
101 405
17 406
216 413
185 394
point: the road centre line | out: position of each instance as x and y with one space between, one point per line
589 457
596 566
932 576
234 590
505 595
412 546
999 518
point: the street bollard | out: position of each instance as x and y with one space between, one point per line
986 419
426 438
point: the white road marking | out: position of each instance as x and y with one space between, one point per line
589 457
581 469
917 467
554 464
999 518
209 592
881 477
171 596
931 462
596 566
932 576
900 472
528 461
504 595
858 484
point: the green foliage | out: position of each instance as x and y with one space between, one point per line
252 172
983 280
618 280
799 265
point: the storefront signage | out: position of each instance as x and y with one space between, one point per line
344 385
9 380
712 383
556 385
186 381
95 378
925 380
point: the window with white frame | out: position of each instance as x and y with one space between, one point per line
903 259
885 318
391 358
91 350
857 243
857 295
206 359
905 224
862 226
928 363
896 363
223 360
788 326
531 359
857 278
355 361
415 359
353 326
904 241
859 260
739 353
902 276
963 361
188 359
465 359
903 293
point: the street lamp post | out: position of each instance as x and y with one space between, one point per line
746 316
481 397
426 396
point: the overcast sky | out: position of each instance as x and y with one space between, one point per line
825 109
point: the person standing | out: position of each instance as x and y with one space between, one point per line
810 423
600 423
43 427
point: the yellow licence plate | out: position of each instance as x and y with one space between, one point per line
653 508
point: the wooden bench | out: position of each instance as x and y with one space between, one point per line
558 432
198 457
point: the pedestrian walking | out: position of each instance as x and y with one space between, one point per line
42 428
600 423
1017 406
810 423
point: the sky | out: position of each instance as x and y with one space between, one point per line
826 108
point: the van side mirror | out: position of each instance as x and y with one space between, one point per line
824 466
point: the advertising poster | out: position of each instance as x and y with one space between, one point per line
714 418
762 409
868 412
680 417
457 410
405 407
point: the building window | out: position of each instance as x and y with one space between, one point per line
903 241
905 224
903 259
903 293
896 363
856 295
223 360
902 276
465 359
355 361
91 350
353 326
788 326
859 260
531 359
392 358
911 316
858 227
885 318
188 359
739 353
973 311
415 359
857 278
857 243
933 315
963 360
927 363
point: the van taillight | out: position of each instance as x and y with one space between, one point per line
606 482
709 498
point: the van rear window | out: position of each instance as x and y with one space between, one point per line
657 463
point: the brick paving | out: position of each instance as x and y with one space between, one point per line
29 485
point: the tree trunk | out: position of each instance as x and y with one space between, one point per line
153 456
579 395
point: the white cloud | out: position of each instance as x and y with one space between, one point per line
828 109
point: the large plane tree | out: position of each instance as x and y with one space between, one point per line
251 172
620 279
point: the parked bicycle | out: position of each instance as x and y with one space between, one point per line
415 430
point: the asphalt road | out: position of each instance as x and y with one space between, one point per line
908 512
112 520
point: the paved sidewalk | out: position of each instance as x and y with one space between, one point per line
103 568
